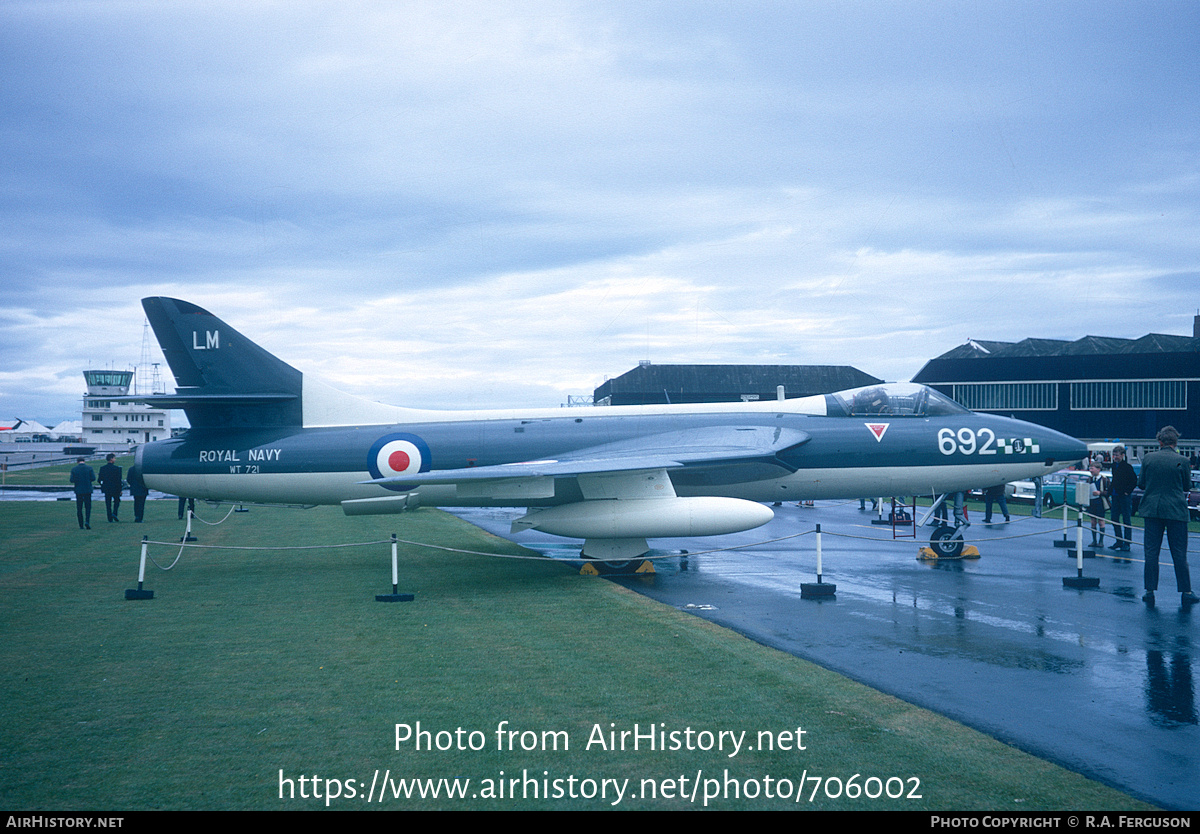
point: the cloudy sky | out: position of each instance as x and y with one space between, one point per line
471 204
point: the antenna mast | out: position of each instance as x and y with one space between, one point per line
139 387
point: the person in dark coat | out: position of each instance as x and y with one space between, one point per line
138 491
110 485
1124 482
992 495
82 479
1166 479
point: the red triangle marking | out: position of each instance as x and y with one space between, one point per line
877 429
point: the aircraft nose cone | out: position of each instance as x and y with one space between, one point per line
1061 448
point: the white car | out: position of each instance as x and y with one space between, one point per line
1027 491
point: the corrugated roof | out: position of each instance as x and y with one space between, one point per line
735 378
1096 346
797 380
1034 347
1087 346
1163 343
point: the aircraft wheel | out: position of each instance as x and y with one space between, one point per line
622 566
946 543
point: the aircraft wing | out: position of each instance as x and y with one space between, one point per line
701 448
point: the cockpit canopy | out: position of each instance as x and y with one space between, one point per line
895 399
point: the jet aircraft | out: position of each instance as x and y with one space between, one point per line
261 431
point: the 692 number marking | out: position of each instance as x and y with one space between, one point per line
967 441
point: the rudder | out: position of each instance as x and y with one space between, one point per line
222 378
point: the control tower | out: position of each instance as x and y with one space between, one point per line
108 422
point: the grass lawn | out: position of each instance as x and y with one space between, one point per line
256 669
60 473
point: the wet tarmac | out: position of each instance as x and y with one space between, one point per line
64 493
1094 680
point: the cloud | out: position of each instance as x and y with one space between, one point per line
477 204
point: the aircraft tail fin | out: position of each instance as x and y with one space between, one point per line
222 379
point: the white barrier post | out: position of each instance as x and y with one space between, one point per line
1079 580
1064 541
820 588
130 593
394 596
395 569
187 533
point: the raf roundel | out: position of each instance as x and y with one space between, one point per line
396 455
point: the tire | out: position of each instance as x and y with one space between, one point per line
946 543
1048 500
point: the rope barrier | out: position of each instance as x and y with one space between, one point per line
215 523
874 539
278 547
539 557
146 551
741 546
443 547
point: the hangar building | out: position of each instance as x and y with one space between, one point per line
1095 388
649 384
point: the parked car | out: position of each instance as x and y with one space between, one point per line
1193 498
1010 492
1027 491
1058 488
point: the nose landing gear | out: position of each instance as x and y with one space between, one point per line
947 542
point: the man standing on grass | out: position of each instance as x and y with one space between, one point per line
82 478
110 485
138 491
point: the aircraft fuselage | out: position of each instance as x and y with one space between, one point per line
844 457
